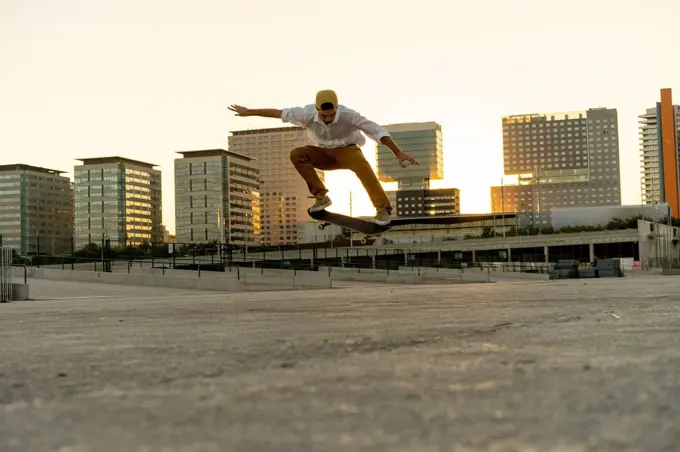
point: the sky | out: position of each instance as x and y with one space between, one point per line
144 79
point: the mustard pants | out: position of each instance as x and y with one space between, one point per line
308 158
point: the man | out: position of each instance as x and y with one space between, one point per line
335 131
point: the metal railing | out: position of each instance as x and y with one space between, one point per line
5 274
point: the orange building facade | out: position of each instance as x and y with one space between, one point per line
668 152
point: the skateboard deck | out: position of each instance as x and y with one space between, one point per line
365 227
370 229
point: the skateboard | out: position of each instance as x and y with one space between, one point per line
367 228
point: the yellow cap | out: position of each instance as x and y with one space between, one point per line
326 96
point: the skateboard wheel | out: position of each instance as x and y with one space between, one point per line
321 227
364 240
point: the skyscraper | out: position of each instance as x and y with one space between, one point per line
283 193
660 153
560 160
36 210
423 141
414 197
217 198
649 157
117 199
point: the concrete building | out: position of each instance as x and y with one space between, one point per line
283 193
36 210
651 135
559 160
117 199
217 198
423 141
419 202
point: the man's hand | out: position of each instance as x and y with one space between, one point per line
240 111
404 157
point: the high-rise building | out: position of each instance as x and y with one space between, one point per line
414 197
649 157
118 199
36 210
659 152
217 198
283 193
560 160
423 141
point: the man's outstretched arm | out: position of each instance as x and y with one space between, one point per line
264 112
298 116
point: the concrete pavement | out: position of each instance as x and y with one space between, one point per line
581 365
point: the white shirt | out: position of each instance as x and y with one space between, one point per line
343 131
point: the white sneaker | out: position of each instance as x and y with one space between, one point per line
321 204
382 217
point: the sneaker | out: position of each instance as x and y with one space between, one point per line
321 203
382 217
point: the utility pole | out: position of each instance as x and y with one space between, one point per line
351 233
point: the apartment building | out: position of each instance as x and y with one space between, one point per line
651 135
559 160
283 193
217 198
36 210
118 199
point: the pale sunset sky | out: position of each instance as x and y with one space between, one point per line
146 78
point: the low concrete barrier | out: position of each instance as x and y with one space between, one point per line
19 292
246 283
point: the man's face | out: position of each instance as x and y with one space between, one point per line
326 116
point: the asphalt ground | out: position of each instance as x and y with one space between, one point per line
579 365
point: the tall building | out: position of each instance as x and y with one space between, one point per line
649 157
560 160
36 210
423 141
424 202
217 197
414 197
283 193
659 151
117 199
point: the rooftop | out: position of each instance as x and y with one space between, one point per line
213 153
104 160
412 126
23 167
269 130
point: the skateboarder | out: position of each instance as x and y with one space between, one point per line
335 131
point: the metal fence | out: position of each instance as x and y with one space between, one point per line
5 274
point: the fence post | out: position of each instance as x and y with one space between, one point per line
199 269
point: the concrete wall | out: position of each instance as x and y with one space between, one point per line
189 280
251 279
659 243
